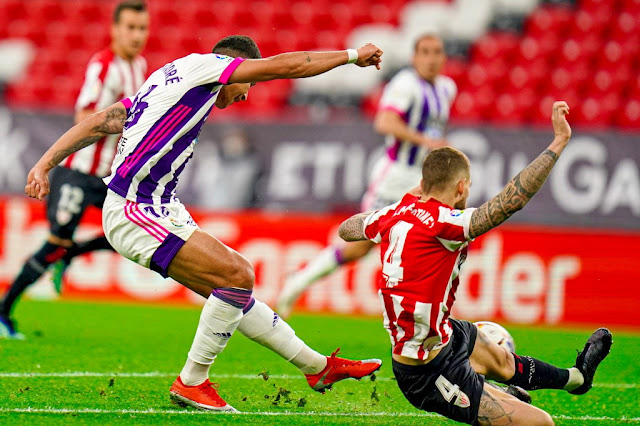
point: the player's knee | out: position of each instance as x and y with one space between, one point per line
241 274
544 419
507 365
547 420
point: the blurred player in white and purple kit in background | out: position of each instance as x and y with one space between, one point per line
146 223
111 74
412 114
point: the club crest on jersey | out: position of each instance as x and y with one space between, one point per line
463 400
175 223
138 107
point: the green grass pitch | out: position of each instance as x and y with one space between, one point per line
108 363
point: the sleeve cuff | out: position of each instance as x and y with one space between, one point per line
226 74
395 109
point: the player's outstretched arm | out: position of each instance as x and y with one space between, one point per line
388 122
517 193
301 64
90 130
352 229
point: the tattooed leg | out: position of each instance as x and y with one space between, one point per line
495 411
498 408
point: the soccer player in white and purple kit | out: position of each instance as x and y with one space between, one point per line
146 223
412 114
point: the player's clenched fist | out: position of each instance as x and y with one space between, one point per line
561 128
369 54
37 183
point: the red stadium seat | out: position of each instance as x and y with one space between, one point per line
573 53
492 45
586 23
465 109
477 77
526 101
534 47
540 22
538 68
519 78
15 10
506 110
590 113
604 82
457 70
630 116
623 27
561 80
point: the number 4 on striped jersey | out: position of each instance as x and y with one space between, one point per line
392 265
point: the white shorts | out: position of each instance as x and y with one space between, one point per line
389 182
148 234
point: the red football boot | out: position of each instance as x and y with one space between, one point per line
202 397
339 369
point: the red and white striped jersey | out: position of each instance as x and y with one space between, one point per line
423 244
108 79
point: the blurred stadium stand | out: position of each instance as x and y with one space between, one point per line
510 58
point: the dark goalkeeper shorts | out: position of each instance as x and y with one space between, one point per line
447 385
71 193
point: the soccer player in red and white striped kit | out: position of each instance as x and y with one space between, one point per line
441 363
112 74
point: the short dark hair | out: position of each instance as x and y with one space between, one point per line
238 45
441 166
135 5
421 37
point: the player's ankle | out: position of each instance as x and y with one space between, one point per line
576 379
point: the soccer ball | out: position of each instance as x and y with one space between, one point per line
498 334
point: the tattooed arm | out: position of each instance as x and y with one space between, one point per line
88 131
517 193
352 229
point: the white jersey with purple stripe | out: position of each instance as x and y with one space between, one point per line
164 120
423 105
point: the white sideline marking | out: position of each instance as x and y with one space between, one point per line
231 376
51 410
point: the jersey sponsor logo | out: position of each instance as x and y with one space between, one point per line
456 213
121 143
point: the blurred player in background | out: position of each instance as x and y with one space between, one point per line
412 114
112 74
439 362
146 223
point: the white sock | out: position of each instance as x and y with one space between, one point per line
264 326
218 321
576 379
322 265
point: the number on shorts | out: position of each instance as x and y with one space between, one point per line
71 198
446 388
392 266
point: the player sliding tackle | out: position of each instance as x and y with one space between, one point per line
440 363
146 223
